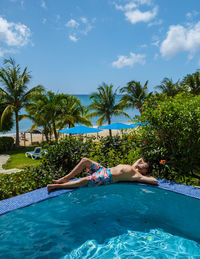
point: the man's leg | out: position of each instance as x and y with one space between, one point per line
84 163
73 184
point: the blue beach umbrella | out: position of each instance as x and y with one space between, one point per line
80 130
137 124
116 126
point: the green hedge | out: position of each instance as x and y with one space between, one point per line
6 144
173 135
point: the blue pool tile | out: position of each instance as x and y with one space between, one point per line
38 195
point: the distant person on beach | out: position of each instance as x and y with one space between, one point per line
22 136
99 175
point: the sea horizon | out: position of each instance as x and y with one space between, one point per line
25 124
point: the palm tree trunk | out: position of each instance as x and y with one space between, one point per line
55 133
46 134
109 122
17 128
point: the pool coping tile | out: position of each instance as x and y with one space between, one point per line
38 195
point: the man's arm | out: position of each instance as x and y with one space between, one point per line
139 161
147 179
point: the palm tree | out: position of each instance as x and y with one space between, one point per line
134 96
168 87
40 119
73 112
104 105
15 92
49 107
51 110
192 83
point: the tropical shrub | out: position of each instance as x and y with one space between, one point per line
62 158
111 151
6 143
171 140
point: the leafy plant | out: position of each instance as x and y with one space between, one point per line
173 134
6 143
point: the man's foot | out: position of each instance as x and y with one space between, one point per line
50 187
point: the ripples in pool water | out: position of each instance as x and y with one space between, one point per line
135 244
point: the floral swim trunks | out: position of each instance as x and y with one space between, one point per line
99 175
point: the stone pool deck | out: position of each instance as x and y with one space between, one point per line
38 195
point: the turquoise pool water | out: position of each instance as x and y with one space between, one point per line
115 221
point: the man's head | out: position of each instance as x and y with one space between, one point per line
143 168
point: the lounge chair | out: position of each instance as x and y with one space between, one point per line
35 154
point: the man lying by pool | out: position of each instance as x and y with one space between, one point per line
99 175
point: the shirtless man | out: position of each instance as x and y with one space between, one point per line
99 175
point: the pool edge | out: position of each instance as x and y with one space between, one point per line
41 194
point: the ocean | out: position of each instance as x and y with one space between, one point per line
26 124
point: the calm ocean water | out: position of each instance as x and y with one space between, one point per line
26 124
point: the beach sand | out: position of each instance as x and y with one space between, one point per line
38 138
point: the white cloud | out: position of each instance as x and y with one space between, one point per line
135 16
72 24
155 41
79 27
131 4
43 4
124 61
73 38
6 51
143 46
180 39
87 28
83 20
14 34
191 15
147 2
158 22
44 20
126 7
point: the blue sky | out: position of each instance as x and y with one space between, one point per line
72 46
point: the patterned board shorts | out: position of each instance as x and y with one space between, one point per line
99 175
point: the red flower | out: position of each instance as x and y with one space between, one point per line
162 162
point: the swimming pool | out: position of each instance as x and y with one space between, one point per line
114 221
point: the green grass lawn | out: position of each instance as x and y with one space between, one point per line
18 159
